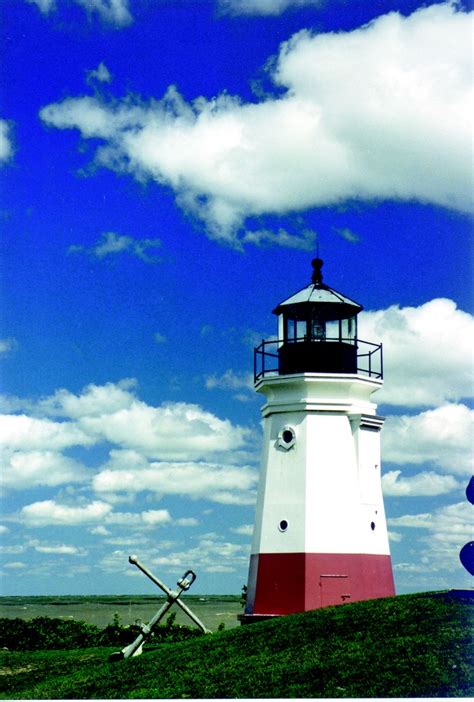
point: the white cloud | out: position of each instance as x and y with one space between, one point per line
4 529
10 344
187 522
358 117
113 413
15 565
62 550
394 537
436 540
211 553
29 434
44 6
230 380
100 74
244 530
27 469
93 401
263 7
304 241
17 548
154 517
412 521
173 431
222 484
100 531
6 146
112 11
427 352
442 436
426 484
50 513
111 244
173 449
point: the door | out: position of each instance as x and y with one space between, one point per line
335 589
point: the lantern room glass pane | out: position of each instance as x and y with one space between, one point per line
349 330
332 330
295 330
318 329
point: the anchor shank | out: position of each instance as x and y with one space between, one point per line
162 586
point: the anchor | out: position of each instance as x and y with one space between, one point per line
184 583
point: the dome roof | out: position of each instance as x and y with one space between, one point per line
329 303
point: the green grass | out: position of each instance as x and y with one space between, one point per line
408 646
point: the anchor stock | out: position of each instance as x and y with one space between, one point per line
172 597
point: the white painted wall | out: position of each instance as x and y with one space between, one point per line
327 486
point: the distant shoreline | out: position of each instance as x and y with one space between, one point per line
100 610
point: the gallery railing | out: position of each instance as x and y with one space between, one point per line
279 357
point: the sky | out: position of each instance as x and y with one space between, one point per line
167 170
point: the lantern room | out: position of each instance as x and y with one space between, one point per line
317 333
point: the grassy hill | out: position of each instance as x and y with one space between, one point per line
406 646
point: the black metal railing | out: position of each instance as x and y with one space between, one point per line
268 357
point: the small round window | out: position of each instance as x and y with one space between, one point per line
286 438
283 525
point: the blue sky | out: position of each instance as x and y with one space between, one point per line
167 169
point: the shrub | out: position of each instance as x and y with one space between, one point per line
48 633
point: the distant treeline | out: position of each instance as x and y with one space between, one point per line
105 599
51 633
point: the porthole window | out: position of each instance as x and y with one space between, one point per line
283 525
286 438
372 525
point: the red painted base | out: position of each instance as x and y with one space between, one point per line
284 583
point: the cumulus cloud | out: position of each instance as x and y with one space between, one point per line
230 380
441 436
427 352
113 413
100 531
213 554
156 516
173 431
62 550
131 474
93 401
100 74
304 240
30 433
6 146
422 484
112 244
28 469
263 7
115 12
172 449
436 540
244 530
187 522
356 118
49 512
44 6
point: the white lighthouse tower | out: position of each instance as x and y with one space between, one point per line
320 535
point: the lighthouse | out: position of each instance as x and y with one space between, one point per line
320 534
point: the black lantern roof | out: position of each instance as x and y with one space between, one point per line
329 303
